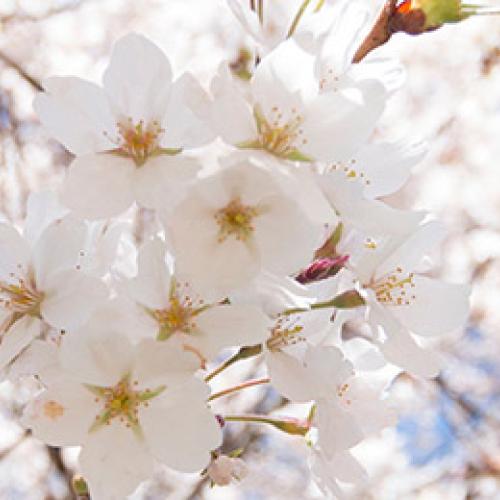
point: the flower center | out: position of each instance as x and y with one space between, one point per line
121 402
180 313
277 136
284 333
20 296
394 289
139 141
236 219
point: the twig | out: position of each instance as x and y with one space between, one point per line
239 387
22 72
380 33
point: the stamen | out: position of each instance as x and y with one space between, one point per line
284 333
394 289
179 316
236 219
282 138
138 141
20 295
121 402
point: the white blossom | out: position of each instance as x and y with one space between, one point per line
285 114
43 281
127 406
174 312
126 135
236 223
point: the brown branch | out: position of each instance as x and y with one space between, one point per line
22 72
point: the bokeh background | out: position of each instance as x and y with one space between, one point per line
447 442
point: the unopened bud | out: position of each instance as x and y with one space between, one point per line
435 13
322 269
79 486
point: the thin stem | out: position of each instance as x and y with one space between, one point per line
289 425
239 387
252 5
312 307
298 17
261 11
243 353
21 71
319 5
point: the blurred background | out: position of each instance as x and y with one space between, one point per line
447 442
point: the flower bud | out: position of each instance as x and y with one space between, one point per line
439 12
79 486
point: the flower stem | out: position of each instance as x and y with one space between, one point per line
289 425
243 353
239 387
298 17
317 305
319 5
260 11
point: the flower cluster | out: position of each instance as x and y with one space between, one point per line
267 234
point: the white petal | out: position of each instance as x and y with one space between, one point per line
158 363
369 216
71 297
400 348
43 208
288 377
17 337
151 286
76 113
338 430
114 461
41 358
285 237
179 429
97 354
437 308
99 186
214 268
63 414
412 250
347 468
187 121
283 78
162 182
15 253
138 79
228 326
336 125
232 115
386 166
328 364
58 247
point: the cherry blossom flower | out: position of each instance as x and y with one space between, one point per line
401 300
173 312
285 114
236 223
42 280
342 398
127 135
127 406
